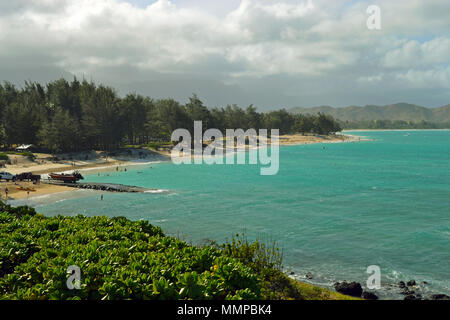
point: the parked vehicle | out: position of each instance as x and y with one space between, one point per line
28 176
7 176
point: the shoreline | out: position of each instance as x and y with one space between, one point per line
44 188
374 130
93 161
46 167
41 189
297 139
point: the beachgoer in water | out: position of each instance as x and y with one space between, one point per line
101 197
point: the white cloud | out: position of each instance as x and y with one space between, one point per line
436 78
310 41
414 54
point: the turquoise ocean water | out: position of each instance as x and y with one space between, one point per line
334 209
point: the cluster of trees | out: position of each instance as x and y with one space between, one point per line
72 116
396 124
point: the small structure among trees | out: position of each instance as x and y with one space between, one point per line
27 148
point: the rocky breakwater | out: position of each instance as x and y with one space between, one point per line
108 187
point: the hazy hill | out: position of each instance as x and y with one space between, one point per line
399 111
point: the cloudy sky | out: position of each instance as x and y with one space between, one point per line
270 53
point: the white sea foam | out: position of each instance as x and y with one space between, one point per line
156 191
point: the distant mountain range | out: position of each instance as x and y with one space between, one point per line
399 111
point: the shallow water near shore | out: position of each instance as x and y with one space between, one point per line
334 209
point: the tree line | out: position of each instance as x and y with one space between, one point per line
68 116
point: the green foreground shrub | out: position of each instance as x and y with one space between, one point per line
118 258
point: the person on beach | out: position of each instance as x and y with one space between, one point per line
6 192
101 197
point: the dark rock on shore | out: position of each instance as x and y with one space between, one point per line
406 291
353 289
410 294
411 283
369 296
439 297
413 297
309 276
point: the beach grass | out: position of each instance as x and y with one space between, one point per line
313 292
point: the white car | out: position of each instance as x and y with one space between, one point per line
7 176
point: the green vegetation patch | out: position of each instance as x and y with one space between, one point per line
4 156
27 154
159 144
118 258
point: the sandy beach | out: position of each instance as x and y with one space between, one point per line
46 163
296 139
83 161
40 189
